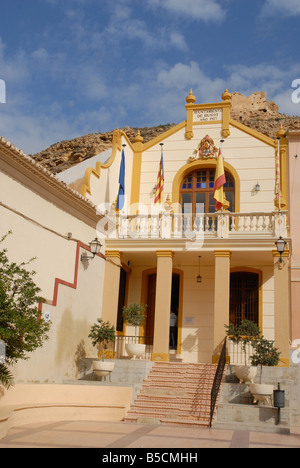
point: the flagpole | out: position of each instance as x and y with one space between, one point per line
222 209
163 200
279 191
278 158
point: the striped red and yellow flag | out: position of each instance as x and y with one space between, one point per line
159 194
220 181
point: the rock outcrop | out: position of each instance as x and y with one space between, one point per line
260 114
67 153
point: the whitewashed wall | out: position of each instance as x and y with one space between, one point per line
42 233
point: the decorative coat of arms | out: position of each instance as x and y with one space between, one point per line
206 149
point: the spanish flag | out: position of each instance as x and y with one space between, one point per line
159 195
220 181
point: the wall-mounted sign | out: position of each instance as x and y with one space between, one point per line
208 115
47 317
189 320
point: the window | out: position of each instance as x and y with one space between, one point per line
197 192
244 297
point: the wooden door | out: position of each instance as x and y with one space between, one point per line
149 329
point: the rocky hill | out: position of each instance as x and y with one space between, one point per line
254 111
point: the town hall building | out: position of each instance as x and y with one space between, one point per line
209 267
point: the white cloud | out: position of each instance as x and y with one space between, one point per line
124 26
177 39
206 10
286 8
168 86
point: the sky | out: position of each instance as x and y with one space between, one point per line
73 67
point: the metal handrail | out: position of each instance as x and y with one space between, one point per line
217 381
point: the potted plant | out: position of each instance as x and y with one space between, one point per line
246 332
265 354
102 334
135 315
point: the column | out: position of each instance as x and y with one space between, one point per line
222 297
163 306
111 286
282 306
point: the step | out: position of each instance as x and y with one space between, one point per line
181 376
169 415
189 400
178 387
191 383
178 409
205 422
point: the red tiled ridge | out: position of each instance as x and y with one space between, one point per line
175 394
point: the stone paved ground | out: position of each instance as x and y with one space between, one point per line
108 435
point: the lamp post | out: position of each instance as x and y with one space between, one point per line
281 244
95 247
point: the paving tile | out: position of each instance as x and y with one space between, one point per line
114 435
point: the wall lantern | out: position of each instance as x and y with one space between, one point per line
257 187
95 247
280 244
199 277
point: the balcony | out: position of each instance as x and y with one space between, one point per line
225 225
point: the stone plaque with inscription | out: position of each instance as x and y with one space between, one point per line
208 115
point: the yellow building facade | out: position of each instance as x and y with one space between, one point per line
157 252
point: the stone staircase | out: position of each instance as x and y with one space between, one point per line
175 393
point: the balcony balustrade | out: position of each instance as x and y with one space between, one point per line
190 226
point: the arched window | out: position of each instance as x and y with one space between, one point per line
197 192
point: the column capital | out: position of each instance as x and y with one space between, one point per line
223 253
113 254
165 254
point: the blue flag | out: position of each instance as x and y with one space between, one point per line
121 196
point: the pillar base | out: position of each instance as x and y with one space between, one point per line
216 358
160 357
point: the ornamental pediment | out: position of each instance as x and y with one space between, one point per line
205 150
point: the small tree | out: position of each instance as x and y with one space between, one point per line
245 332
102 333
135 315
265 354
21 326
